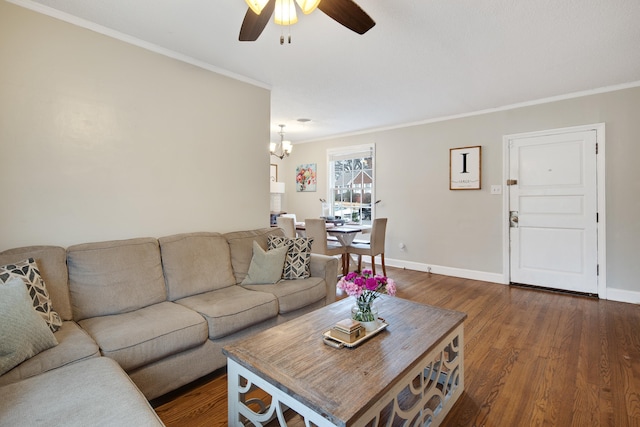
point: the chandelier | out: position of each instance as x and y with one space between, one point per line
280 149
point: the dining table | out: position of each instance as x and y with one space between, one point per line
344 234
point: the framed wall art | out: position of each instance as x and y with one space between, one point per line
306 177
464 168
273 172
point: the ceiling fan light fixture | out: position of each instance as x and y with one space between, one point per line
257 5
345 12
285 13
308 6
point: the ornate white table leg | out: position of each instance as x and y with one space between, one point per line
240 381
426 394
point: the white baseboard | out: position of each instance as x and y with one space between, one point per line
447 271
623 295
613 294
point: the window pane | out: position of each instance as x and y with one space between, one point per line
352 183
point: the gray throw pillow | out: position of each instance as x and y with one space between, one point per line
23 333
27 270
266 266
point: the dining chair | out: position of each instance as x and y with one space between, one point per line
317 229
288 225
290 216
374 247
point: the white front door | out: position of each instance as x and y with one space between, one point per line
553 208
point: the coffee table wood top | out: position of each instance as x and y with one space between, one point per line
341 383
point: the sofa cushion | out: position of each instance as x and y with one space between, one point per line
266 266
23 333
148 334
27 271
52 264
194 263
74 344
114 277
241 247
296 265
231 309
294 294
91 392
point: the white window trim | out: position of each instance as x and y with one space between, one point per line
353 149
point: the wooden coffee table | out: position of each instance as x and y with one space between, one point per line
413 370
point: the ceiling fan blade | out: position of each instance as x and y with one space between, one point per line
347 13
253 24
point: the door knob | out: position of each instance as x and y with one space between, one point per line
513 218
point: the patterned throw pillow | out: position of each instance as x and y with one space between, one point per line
296 265
27 270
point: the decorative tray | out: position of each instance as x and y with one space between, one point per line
338 343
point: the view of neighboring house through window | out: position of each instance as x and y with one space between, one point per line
351 189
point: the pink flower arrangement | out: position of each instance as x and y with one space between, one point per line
366 287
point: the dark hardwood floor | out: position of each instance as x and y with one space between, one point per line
532 357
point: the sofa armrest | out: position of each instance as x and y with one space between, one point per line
326 267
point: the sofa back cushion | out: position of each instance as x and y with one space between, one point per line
114 277
194 263
52 264
241 247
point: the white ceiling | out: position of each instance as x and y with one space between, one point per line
424 59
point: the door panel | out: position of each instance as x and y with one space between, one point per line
544 164
553 242
556 258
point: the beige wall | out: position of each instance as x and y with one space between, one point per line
103 140
463 229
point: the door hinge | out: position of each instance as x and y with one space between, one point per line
597 217
596 148
597 269
512 182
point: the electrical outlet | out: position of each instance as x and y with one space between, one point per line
496 189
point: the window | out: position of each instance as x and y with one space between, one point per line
351 189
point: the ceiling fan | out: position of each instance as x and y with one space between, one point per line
345 12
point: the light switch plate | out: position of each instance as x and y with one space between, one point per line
496 189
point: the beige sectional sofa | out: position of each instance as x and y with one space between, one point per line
161 308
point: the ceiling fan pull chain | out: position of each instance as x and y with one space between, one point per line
289 23
281 28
